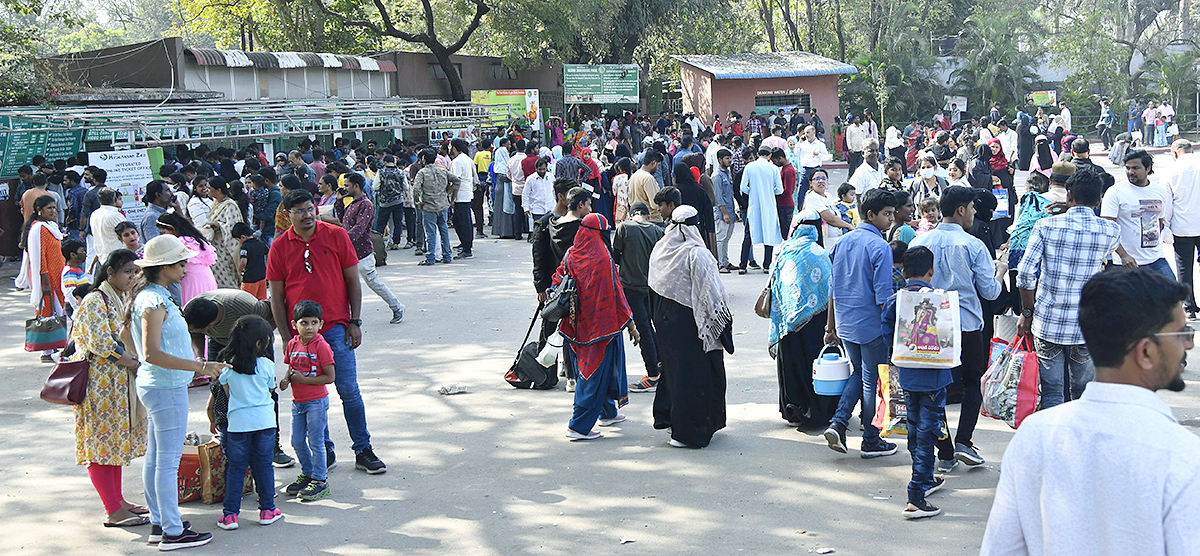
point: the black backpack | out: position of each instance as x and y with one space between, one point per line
526 372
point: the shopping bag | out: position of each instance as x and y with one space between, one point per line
1010 385
928 332
891 413
46 333
1001 195
212 473
190 484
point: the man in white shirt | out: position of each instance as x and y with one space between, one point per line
517 176
1184 185
1142 209
1008 140
855 136
1113 472
539 190
463 167
868 176
1066 117
103 224
811 153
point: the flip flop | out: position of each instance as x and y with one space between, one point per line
132 521
138 509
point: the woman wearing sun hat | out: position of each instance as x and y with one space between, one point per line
164 348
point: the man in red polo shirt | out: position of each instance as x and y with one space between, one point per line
309 261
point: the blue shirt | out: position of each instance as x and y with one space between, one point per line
912 379
175 340
250 404
861 283
961 263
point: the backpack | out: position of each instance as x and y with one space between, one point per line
526 372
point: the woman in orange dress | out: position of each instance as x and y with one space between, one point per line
43 247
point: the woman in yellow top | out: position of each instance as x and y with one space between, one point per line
219 232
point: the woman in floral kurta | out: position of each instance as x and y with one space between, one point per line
219 231
110 424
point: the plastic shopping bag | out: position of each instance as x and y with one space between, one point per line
928 329
1010 385
891 413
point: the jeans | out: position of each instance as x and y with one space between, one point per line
926 410
1162 267
1106 136
463 226
855 159
747 242
802 184
396 214
1147 134
366 269
253 449
309 421
639 304
168 412
345 379
435 224
866 359
1185 249
1064 371
724 232
974 363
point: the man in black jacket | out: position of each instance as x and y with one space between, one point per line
550 243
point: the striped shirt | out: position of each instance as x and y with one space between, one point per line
234 305
1063 252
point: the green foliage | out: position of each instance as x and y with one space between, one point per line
280 25
1086 49
1173 76
895 84
996 61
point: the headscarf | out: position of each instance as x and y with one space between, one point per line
892 138
998 161
590 162
602 311
799 283
686 174
556 153
1045 155
683 270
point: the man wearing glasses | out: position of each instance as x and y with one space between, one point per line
1112 472
870 174
811 154
315 260
1062 253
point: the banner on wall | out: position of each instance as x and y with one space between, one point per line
129 172
524 103
1045 98
958 102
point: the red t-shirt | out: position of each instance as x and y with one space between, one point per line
788 173
308 360
329 254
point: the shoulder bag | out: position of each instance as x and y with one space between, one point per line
762 307
67 384
562 300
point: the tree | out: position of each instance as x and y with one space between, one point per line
898 83
1174 75
994 58
386 27
280 25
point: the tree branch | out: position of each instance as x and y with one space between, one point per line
481 9
388 32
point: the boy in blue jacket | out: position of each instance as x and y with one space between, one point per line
924 394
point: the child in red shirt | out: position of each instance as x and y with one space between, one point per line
310 367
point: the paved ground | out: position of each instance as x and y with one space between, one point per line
490 473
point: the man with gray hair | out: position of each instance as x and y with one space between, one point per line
1184 184
870 173
301 169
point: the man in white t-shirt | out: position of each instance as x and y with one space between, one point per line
870 174
811 153
1142 209
1184 185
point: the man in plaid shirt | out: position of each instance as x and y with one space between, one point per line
1063 252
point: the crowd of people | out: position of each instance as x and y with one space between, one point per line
631 223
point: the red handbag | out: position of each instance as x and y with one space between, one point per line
68 382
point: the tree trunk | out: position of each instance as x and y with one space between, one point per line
812 27
452 76
768 17
840 37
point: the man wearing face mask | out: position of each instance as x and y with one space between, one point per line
1136 331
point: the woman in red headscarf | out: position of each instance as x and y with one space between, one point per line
1006 194
594 350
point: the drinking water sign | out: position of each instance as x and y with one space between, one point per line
601 84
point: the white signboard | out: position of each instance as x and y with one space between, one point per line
128 172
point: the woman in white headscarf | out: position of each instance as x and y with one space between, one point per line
689 306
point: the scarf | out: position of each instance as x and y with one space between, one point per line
799 284
590 163
683 270
115 303
998 161
602 311
33 247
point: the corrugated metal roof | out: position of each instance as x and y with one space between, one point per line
291 60
367 64
348 62
263 59
311 60
330 60
386 66
207 56
236 59
243 59
767 65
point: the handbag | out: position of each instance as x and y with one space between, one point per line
1010 386
43 333
762 306
67 384
526 372
562 300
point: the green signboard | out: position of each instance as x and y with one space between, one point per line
601 84
18 148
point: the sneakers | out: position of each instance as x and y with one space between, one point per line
938 483
330 460
646 384
676 444
156 532
267 517
462 256
836 438
610 422
754 265
921 509
282 459
187 539
427 262
877 449
298 485
366 461
397 316
591 435
570 385
946 465
228 522
315 490
966 453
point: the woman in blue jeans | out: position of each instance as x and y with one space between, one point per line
164 347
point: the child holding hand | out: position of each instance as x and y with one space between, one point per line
250 441
310 367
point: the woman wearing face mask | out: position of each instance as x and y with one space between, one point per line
927 183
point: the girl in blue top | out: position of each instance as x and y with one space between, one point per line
250 441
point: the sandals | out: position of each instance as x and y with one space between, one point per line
138 509
131 521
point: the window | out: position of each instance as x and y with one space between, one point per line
498 71
775 101
436 71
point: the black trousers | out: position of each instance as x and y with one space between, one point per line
974 364
1106 136
462 226
477 210
1185 250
